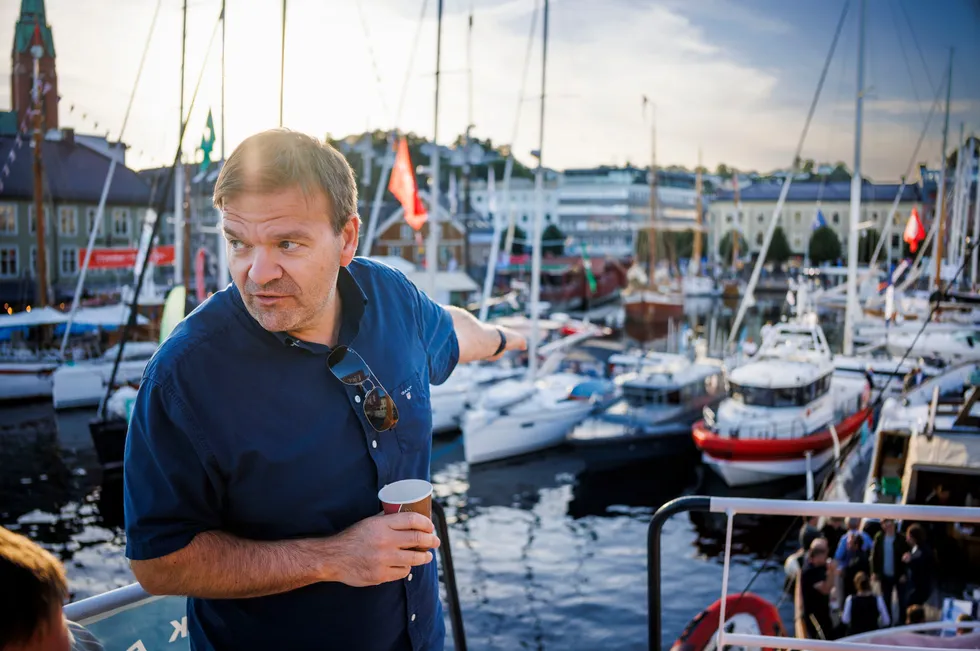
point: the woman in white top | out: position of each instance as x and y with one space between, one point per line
864 611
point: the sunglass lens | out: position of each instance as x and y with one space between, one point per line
347 365
380 409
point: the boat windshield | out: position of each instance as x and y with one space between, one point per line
779 397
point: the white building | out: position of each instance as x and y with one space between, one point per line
799 215
519 200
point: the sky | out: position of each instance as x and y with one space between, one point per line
728 80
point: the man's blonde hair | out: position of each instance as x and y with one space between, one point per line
278 159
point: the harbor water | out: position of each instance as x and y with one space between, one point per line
550 552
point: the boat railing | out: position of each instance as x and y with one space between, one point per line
731 506
167 623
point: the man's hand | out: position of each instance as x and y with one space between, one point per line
380 549
515 341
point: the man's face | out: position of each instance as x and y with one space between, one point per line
284 256
888 526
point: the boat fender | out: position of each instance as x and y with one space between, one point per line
697 635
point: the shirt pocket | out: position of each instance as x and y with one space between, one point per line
414 428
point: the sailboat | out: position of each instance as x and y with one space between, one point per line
644 301
520 416
696 284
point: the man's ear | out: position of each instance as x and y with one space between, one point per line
350 237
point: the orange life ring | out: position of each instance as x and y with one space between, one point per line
699 631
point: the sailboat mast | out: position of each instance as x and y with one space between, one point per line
651 230
850 313
178 188
224 276
696 253
532 363
976 222
937 249
39 221
282 61
432 246
734 231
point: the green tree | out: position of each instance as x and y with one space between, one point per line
779 251
553 241
682 243
519 238
824 246
807 166
725 246
867 244
723 171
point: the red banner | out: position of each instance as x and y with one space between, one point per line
125 258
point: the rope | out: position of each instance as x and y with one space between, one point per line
527 67
918 47
371 55
411 62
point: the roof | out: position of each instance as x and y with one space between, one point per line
74 173
778 373
812 191
202 182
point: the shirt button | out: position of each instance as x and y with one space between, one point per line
409 576
357 399
413 617
374 444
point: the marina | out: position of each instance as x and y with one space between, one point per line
641 407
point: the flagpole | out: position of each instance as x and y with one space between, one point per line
432 246
179 216
388 162
224 275
532 362
850 312
282 61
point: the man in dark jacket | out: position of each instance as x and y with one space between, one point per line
887 567
920 562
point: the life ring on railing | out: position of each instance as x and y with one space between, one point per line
747 614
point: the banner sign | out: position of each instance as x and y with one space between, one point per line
125 258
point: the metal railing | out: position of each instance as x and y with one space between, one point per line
101 606
748 506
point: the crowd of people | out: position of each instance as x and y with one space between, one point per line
864 578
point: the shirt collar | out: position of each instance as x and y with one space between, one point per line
354 302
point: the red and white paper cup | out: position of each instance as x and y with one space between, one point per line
407 495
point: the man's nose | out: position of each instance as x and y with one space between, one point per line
264 267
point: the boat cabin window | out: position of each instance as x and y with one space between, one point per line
780 397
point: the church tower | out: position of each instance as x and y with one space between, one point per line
32 19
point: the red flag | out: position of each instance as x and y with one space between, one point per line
402 185
914 233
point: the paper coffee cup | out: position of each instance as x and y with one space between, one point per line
407 495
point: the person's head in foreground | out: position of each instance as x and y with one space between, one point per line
32 589
915 536
888 526
915 614
861 583
289 213
818 552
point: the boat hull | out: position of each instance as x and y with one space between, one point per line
26 380
743 462
491 437
652 308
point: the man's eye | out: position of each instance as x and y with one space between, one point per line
236 244
288 246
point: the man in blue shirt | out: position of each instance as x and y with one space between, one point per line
267 422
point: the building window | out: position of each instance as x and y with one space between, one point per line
8 262
761 218
31 222
395 251
8 219
740 216
729 218
120 222
69 261
798 217
797 242
835 218
67 221
874 216
895 241
33 261
90 215
758 239
406 232
524 218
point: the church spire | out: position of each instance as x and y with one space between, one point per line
32 28
31 14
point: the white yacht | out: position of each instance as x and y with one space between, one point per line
83 384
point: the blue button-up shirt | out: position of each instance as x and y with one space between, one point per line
247 431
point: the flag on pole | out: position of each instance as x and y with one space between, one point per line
207 142
402 185
818 220
914 233
587 264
